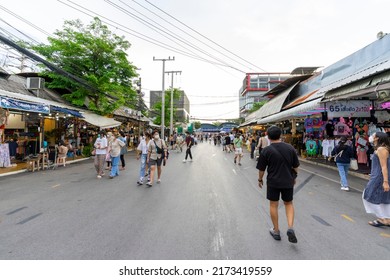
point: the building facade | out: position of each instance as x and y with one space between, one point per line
255 87
182 105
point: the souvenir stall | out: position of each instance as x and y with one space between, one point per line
5 159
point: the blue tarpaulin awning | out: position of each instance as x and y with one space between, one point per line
67 111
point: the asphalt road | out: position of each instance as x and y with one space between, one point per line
208 209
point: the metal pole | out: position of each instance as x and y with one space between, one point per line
171 119
163 102
163 94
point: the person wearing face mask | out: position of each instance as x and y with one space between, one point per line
157 153
376 195
237 143
101 150
115 147
142 153
343 154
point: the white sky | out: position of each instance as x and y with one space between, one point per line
276 36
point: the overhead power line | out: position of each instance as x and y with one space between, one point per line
165 33
132 32
182 30
205 37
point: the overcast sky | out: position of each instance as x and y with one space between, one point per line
252 36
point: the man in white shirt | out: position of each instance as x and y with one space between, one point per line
101 151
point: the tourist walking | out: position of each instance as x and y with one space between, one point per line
122 137
142 153
252 140
281 162
376 195
108 157
237 144
189 142
157 153
343 154
100 145
115 147
263 142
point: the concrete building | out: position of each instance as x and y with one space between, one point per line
182 105
255 87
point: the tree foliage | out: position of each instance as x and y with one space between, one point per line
257 106
96 55
197 124
158 106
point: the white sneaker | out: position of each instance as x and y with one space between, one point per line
99 177
158 181
184 160
345 189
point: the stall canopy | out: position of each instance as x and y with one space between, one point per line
275 104
100 121
66 111
299 111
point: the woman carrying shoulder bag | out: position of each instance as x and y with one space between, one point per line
376 195
343 154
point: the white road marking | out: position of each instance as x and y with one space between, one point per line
218 242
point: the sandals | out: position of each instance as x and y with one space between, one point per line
377 223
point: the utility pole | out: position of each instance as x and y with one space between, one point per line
163 93
171 119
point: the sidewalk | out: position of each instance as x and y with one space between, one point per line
362 173
22 167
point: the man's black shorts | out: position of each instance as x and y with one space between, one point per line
274 194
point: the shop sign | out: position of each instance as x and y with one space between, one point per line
10 103
348 108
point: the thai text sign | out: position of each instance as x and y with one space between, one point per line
348 108
10 103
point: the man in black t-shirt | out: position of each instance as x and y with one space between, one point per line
281 162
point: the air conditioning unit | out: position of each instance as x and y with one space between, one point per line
35 83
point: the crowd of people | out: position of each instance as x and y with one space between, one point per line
278 160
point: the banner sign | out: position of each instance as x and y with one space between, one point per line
10 103
348 108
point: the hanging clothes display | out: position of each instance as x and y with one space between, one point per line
327 147
5 160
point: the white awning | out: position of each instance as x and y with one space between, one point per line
275 104
99 121
296 111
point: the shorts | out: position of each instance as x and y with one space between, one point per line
238 151
157 161
273 194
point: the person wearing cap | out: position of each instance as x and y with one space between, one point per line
343 154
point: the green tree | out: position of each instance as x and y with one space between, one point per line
257 106
158 105
96 55
197 124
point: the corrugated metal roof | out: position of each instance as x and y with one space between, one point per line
275 104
